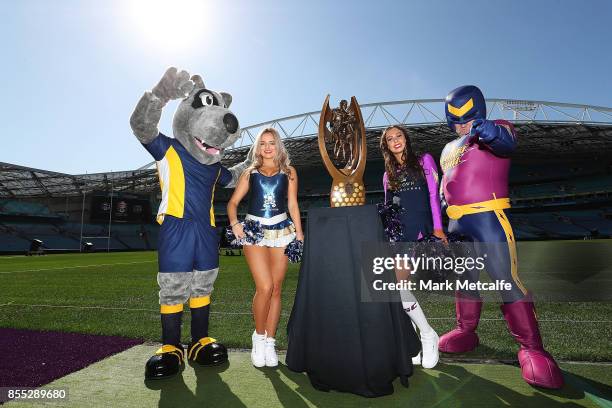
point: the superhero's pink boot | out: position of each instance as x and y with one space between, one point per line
463 338
537 366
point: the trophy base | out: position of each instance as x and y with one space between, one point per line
342 342
347 194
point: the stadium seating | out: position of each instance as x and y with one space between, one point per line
16 236
18 207
11 243
549 202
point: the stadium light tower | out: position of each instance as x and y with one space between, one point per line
519 106
110 213
81 185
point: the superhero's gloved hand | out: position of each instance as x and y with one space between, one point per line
484 130
476 127
497 138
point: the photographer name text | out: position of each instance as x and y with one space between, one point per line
497 285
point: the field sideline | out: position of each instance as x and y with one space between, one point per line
116 294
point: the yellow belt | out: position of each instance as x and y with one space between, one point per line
457 211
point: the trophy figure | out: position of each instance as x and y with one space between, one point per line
343 126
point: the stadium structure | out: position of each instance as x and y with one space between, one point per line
561 179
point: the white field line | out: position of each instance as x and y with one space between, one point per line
539 320
129 309
78 266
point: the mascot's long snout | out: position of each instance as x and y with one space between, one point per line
230 122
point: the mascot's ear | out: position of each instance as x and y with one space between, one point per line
198 81
227 98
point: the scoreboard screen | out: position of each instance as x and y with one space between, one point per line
125 208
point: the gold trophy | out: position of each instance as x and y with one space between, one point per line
343 126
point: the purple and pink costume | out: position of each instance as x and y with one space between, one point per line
477 172
475 187
420 198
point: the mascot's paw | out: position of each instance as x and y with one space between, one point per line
458 341
538 368
166 362
207 352
174 84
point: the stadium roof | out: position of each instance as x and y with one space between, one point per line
546 130
18 181
543 127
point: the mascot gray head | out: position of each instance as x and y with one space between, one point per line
203 123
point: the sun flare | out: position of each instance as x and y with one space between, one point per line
177 24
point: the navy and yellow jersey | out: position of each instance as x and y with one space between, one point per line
188 186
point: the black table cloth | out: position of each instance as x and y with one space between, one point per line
341 341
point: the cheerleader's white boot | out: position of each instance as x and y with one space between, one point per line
430 354
270 353
258 352
416 360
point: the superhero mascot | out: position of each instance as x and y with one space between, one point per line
475 188
189 169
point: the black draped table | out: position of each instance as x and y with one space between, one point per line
341 341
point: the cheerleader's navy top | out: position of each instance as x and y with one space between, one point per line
267 194
420 198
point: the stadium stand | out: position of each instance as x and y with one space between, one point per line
30 209
560 181
22 221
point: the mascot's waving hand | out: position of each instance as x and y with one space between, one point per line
189 169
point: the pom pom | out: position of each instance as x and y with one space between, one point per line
253 231
433 247
455 237
231 238
253 234
389 214
294 251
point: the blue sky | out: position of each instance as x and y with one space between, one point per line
72 71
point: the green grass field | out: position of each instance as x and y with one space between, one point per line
116 294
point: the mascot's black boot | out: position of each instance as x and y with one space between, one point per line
207 352
166 362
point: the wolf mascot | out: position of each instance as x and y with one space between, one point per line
189 169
